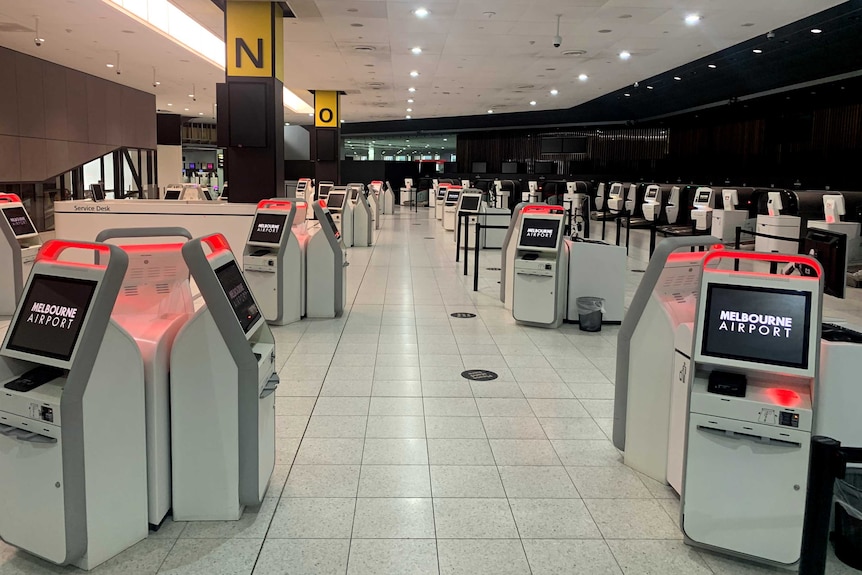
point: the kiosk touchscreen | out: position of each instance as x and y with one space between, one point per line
323 189
704 203
341 211
223 393
173 192
450 208
73 469
272 262
470 202
20 244
755 365
541 269
326 264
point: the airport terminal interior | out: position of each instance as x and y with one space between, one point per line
437 287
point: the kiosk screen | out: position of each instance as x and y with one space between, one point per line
51 316
651 193
470 203
761 325
703 197
335 201
441 193
238 295
332 225
267 228
172 194
19 222
97 192
323 191
354 195
536 233
452 196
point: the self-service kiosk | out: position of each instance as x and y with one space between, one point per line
450 208
442 191
786 212
73 469
272 262
375 199
18 250
654 202
223 393
617 197
388 199
154 303
532 193
750 413
541 269
342 214
734 214
407 192
470 202
835 207
510 248
302 188
326 262
323 189
363 226
704 203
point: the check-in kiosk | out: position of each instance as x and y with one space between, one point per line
531 195
302 188
408 193
388 199
363 225
153 305
755 367
323 189
326 264
617 197
835 209
541 269
21 243
470 202
375 200
576 202
442 191
704 203
788 213
510 248
73 469
734 214
654 201
223 393
450 208
272 262
341 211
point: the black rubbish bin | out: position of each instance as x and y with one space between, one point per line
847 536
590 313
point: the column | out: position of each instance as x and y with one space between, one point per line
326 136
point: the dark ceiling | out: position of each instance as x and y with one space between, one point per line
792 57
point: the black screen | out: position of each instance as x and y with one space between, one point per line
574 145
18 221
441 193
51 316
332 224
97 192
323 191
652 193
238 295
247 115
470 203
552 145
480 167
537 233
267 228
545 167
335 200
510 167
761 325
327 145
354 194
830 249
702 197
452 197
173 194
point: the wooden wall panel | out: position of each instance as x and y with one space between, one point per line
56 110
76 105
31 98
8 96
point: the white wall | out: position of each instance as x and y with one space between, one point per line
296 143
169 165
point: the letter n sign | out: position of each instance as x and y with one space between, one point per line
250 41
256 57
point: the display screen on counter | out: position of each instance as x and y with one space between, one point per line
238 294
172 194
19 221
703 197
761 325
335 201
470 203
267 228
51 316
538 233
452 196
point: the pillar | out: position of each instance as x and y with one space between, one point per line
326 136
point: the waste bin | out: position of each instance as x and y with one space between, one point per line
590 313
847 537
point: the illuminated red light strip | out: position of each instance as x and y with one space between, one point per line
152 247
764 257
274 205
542 210
217 243
10 198
51 250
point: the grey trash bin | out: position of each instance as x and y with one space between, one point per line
847 537
590 313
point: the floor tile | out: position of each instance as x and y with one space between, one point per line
396 426
322 481
553 519
396 406
513 428
506 407
342 405
393 557
572 556
460 452
632 519
312 518
212 557
294 405
651 557
395 452
329 451
454 427
474 481
341 388
253 524
592 390
599 407
334 426
450 406
496 388
524 452
402 518
558 408
546 390
446 389
537 482
396 389
143 558
571 428
482 557
303 557
616 482
395 481
587 452
473 519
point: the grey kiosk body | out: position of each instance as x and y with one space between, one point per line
17 252
326 261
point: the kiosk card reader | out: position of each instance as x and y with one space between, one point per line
326 265
73 469
450 208
341 211
746 457
18 250
223 393
704 203
272 262
541 268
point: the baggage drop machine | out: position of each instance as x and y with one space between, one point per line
18 249
272 262
541 269
440 202
341 210
363 226
73 469
223 393
735 213
450 208
326 265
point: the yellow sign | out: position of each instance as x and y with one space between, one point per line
255 33
326 113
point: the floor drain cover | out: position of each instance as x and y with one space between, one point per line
479 375
493 269
462 315
639 271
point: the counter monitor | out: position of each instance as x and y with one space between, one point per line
703 197
470 203
757 324
98 192
323 191
51 317
19 221
238 294
267 228
452 196
335 201
539 233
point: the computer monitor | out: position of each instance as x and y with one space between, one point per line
539 233
703 197
51 317
267 228
205 192
335 201
755 324
323 189
19 221
479 167
830 249
173 194
98 192
616 190
441 192
470 202
238 294
452 196
209 167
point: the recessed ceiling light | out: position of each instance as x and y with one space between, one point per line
554 92
191 95
757 51
287 123
583 77
625 55
342 121
170 104
411 90
421 12
410 101
416 50
409 109
200 113
311 115
407 116
533 103
414 74
816 30
692 19
408 141
490 111
627 95
109 65
677 78
649 87
713 66
445 139
186 109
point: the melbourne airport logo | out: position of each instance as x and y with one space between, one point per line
58 316
18 221
756 323
539 232
268 228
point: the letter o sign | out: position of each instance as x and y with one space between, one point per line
326 115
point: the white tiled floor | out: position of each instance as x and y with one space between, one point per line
389 462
